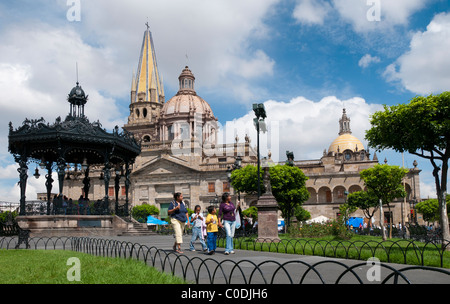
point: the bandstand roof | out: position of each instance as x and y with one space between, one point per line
74 138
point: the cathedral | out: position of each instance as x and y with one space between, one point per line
180 153
336 174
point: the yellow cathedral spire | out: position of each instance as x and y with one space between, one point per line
147 84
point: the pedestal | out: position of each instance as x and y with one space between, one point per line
267 219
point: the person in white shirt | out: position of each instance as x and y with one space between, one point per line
197 221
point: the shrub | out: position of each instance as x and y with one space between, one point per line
7 215
141 212
334 228
251 212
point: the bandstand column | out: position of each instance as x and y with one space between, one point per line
49 184
127 186
61 172
117 188
23 169
107 178
86 183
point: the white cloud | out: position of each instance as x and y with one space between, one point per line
10 189
303 126
392 13
368 59
38 57
311 12
427 190
9 172
425 68
35 81
216 36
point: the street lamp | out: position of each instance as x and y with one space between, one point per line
36 173
260 125
84 164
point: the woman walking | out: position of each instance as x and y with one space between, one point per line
179 215
227 213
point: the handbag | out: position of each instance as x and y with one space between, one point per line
238 219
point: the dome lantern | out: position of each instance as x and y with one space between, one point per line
345 140
186 81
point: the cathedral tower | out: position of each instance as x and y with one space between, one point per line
147 93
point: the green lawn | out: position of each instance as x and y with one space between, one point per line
50 267
358 247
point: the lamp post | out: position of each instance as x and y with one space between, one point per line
260 125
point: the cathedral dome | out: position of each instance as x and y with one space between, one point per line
345 142
186 103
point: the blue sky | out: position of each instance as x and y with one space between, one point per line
305 59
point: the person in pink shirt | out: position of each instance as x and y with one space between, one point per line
227 214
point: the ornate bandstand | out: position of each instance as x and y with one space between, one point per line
73 143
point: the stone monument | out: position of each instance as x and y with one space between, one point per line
267 212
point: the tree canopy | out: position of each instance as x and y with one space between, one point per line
385 183
422 128
430 209
288 185
366 201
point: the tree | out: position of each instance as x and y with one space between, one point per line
245 179
345 210
422 128
430 209
301 214
385 183
288 185
366 201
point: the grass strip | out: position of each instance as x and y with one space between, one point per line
50 267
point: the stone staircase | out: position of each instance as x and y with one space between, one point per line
135 228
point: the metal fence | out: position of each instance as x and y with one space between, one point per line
244 271
399 251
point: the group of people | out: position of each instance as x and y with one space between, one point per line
225 218
64 205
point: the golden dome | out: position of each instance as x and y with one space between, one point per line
345 142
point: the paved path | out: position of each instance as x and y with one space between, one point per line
295 267
250 267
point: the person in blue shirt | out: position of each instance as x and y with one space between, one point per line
179 215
